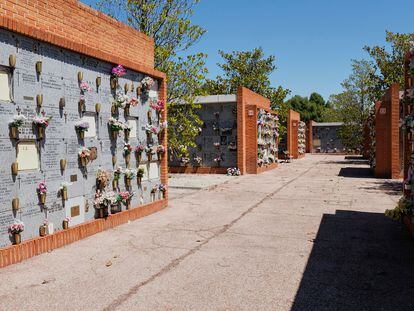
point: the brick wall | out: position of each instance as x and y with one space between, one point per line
309 137
248 103
407 110
77 27
292 133
73 26
387 133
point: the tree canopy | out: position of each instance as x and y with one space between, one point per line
169 23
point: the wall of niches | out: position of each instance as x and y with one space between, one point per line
267 137
54 89
302 137
217 139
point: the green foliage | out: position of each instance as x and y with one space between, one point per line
168 22
402 209
353 105
251 69
389 63
309 109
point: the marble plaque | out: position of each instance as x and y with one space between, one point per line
4 86
91 132
144 167
154 171
133 125
27 156
75 208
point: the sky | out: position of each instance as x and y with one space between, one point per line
313 41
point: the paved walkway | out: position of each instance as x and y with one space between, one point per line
310 235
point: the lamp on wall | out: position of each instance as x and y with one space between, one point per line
80 76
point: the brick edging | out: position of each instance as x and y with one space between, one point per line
36 246
197 170
262 169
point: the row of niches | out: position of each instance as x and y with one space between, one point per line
217 113
267 138
60 97
217 158
302 137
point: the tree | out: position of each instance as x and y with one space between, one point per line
252 70
354 103
309 109
168 23
389 63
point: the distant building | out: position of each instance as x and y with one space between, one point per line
326 139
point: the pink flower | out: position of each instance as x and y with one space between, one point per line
118 71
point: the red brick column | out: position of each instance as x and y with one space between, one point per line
309 137
387 133
292 133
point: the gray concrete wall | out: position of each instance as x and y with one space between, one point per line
326 139
227 119
59 79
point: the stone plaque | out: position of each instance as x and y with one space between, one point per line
4 85
91 132
144 167
154 171
133 125
27 156
73 178
75 208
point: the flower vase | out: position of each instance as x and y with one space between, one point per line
126 110
114 134
149 137
42 198
127 159
40 132
115 184
42 230
114 83
81 135
84 161
15 168
149 114
159 135
126 134
149 156
138 157
65 225
64 194
128 204
102 211
115 208
62 164
82 106
127 182
159 156
14 132
17 238
15 204
139 180
163 194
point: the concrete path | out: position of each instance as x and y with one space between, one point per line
310 235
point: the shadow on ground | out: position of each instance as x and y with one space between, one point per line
356 172
359 261
390 187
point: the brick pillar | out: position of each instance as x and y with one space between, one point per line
387 133
292 133
309 137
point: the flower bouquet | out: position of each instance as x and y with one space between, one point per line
160 152
15 229
146 84
125 198
102 178
41 192
184 161
115 126
116 73
127 153
163 189
158 106
218 160
198 160
15 123
117 176
150 152
138 152
140 174
64 190
41 121
127 130
84 156
85 87
129 174
81 127
233 171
